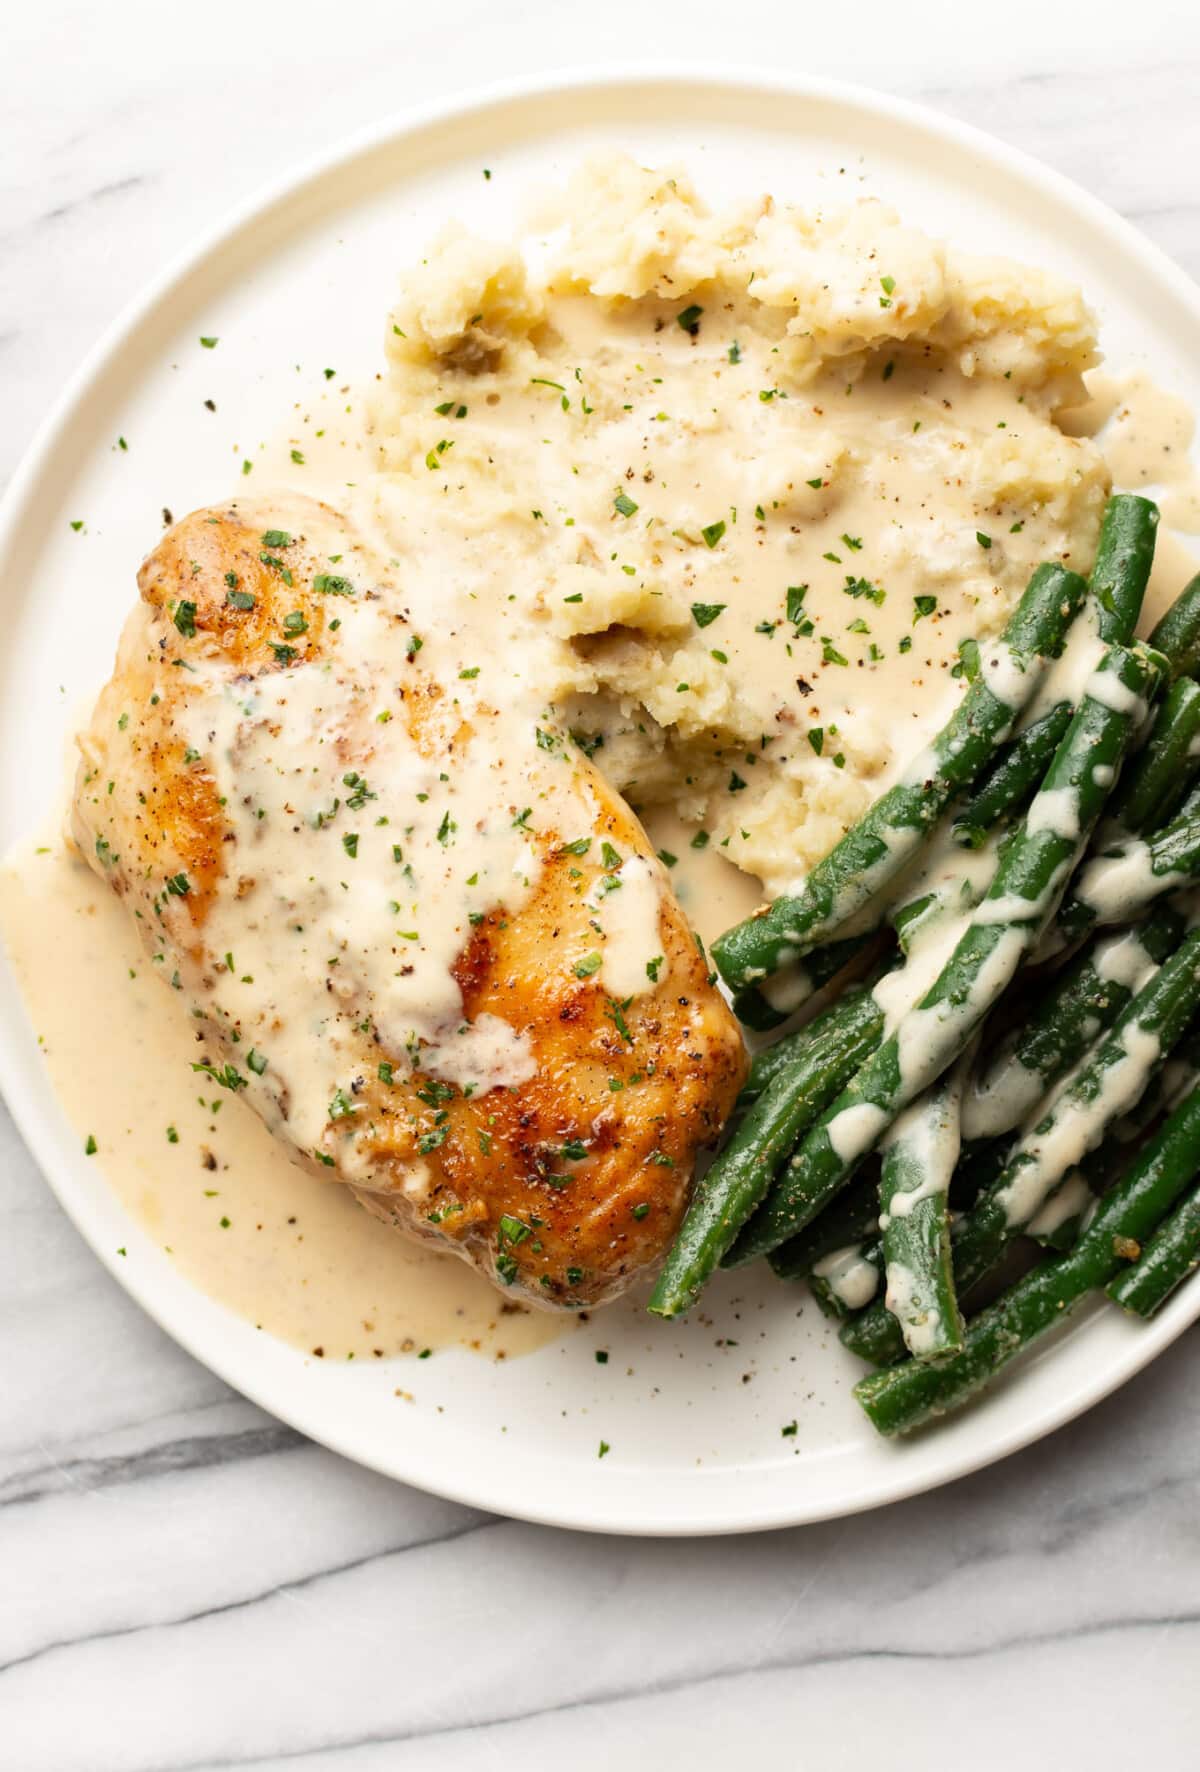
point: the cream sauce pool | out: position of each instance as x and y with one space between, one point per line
196 1167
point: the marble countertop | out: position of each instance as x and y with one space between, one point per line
184 1583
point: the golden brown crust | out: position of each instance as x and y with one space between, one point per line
639 1089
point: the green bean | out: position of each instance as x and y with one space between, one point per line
1124 556
1001 931
883 842
1121 569
852 1218
1013 777
1177 633
1159 776
792 987
1167 1260
919 1156
900 1400
835 1045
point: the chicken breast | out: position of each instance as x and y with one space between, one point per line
415 928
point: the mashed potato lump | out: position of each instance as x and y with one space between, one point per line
739 484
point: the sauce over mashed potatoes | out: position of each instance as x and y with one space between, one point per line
741 484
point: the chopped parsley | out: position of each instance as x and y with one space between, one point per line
704 614
278 565
862 587
228 1077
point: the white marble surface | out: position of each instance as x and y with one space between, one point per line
184 1583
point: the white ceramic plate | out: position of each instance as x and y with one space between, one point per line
303 276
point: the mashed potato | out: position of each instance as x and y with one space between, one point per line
747 480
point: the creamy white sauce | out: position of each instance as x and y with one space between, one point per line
1068 675
482 1054
924 1145
1107 688
853 1131
1114 886
1010 679
957 879
1055 810
927 1037
788 990
1123 959
1068 1201
1078 1126
853 1281
920 1320
633 958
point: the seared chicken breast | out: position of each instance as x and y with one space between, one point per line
415 928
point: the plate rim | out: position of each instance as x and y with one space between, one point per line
891 1485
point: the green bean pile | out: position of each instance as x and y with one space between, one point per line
1019 914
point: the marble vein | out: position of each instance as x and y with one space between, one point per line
299 1585
196 1452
